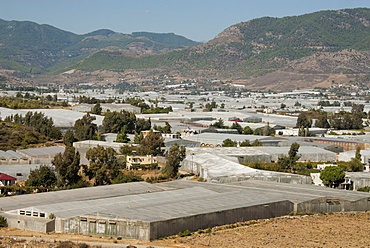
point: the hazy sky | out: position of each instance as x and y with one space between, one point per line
199 20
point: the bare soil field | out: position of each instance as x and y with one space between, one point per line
321 230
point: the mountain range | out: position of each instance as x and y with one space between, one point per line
311 50
30 47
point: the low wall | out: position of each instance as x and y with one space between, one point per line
105 226
327 204
34 224
231 216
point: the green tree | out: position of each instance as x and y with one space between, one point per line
256 143
39 122
44 176
127 178
67 166
104 166
322 121
332 176
257 131
138 138
113 122
85 129
97 109
166 128
142 125
218 124
237 126
355 165
175 156
127 149
229 143
245 143
358 153
303 132
247 130
304 120
69 137
266 130
287 162
122 137
151 144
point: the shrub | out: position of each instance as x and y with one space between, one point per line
184 233
3 222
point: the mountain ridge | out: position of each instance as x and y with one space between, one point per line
26 45
249 50
312 49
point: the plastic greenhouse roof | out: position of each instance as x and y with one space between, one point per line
43 151
61 117
76 195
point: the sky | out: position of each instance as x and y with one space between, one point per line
198 20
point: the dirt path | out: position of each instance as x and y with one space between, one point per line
336 230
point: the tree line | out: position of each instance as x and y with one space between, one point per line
341 121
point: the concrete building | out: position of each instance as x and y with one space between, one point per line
6 180
140 162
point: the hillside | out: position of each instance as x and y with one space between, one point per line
313 49
33 48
